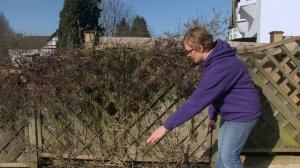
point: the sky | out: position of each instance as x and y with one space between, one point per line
41 17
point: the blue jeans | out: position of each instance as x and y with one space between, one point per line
232 138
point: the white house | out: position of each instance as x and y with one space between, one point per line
255 19
50 47
25 47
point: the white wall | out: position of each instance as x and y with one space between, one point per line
247 18
268 15
278 15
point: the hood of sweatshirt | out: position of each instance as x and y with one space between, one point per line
222 49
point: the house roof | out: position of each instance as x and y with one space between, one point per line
52 35
26 42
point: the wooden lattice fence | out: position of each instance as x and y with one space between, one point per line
116 141
276 74
13 144
121 141
18 146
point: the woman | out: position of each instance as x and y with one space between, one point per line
226 88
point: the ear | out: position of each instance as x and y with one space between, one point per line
201 48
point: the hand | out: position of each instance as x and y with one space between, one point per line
211 125
157 134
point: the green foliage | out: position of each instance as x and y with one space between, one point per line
76 17
123 29
5 29
139 28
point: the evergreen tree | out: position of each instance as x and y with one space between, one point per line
90 15
123 29
5 31
139 28
76 17
5 28
113 12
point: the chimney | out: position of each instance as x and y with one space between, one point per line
89 39
276 36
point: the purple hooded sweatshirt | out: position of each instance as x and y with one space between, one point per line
226 88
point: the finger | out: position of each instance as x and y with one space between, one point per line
152 141
149 139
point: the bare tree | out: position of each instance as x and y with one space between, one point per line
217 25
112 13
5 29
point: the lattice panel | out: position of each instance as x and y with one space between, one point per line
13 145
278 78
120 140
69 131
283 68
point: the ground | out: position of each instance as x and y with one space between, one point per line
279 161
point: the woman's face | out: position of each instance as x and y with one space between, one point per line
195 54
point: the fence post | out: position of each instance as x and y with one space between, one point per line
34 136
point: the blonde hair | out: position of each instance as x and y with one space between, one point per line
197 36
